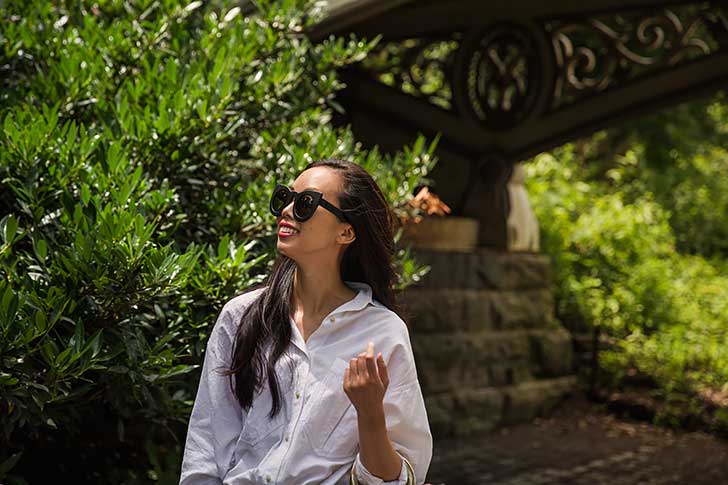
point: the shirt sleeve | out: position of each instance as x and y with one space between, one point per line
408 428
217 418
365 477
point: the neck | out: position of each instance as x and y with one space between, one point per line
317 292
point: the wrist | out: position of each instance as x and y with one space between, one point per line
372 417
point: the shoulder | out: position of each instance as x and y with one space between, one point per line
238 304
393 336
234 308
386 322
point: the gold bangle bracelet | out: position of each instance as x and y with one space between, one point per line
408 465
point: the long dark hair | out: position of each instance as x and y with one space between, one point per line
265 323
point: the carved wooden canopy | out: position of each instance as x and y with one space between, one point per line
513 78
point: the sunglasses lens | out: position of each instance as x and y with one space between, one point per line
279 199
305 205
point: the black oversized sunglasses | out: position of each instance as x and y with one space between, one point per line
305 203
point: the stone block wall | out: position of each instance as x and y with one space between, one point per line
488 349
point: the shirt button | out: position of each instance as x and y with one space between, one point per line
298 394
267 478
286 438
332 319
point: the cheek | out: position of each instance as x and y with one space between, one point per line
318 233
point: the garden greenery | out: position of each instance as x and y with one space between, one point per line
140 143
614 250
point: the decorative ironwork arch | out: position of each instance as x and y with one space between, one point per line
531 76
503 81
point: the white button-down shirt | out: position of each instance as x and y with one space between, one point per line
314 438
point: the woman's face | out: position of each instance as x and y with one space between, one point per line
323 234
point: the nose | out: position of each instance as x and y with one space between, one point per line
287 212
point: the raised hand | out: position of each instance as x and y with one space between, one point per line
365 382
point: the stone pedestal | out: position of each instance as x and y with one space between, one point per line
487 347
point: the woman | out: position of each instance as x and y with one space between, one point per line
310 378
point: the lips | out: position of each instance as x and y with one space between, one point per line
286 224
286 230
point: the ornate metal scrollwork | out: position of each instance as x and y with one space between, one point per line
494 74
419 67
595 53
499 68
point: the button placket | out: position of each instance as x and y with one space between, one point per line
297 405
295 416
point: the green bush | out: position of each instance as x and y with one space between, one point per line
140 143
617 268
677 154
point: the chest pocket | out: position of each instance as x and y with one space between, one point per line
260 430
331 427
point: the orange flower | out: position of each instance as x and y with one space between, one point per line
429 203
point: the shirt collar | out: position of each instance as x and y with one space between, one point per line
362 299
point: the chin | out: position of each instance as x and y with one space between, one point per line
283 250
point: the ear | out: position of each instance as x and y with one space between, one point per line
347 235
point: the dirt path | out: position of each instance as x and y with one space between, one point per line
581 443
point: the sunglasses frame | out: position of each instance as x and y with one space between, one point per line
318 200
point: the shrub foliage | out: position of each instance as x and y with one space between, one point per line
618 268
140 142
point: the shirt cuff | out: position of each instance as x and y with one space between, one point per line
365 477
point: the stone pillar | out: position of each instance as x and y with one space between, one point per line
486 198
495 194
488 348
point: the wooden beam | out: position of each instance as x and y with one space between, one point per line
404 19
546 129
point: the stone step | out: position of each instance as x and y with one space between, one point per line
484 268
452 310
469 411
451 361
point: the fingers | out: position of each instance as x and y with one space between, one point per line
370 363
382 367
362 366
354 366
367 366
